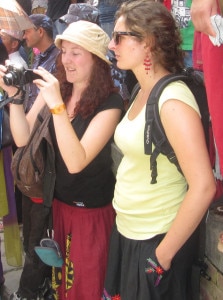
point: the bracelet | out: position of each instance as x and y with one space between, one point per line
58 109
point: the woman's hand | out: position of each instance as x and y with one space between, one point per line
163 260
49 87
9 89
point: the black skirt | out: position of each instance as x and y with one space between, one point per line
127 278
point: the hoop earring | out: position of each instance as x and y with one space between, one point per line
147 63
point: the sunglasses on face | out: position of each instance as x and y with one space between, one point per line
116 35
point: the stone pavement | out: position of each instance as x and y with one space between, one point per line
11 274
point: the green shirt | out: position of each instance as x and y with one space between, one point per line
181 13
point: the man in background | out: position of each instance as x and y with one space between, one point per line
40 38
12 40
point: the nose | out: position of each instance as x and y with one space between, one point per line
66 58
111 45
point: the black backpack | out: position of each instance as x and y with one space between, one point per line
154 132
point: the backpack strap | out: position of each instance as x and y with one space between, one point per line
154 133
134 92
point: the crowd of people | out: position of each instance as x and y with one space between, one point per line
120 236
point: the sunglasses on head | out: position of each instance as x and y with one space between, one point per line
116 35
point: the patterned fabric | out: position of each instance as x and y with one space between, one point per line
13 16
83 235
108 297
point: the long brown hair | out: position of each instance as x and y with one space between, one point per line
151 20
100 86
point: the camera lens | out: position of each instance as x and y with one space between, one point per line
10 79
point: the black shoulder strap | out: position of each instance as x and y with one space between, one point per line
154 132
134 92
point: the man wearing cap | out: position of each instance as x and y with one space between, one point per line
41 38
80 11
12 40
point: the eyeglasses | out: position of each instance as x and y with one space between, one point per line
116 35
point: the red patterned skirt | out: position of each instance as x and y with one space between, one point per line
83 235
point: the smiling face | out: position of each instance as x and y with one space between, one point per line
77 61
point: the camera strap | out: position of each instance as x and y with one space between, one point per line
6 99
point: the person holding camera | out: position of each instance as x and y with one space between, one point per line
85 108
34 280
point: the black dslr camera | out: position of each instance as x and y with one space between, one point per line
17 75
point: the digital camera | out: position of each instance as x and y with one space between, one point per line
18 75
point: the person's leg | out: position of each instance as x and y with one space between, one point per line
34 271
108 28
4 293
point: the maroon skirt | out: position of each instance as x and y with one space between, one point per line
83 235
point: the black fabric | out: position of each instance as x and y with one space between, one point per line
26 5
126 274
57 8
94 186
154 132
35 220
6 138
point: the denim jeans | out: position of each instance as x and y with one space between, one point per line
106 17
188 62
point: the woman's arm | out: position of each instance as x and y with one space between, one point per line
185 133
20 124
77 154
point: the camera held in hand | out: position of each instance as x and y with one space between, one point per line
17 75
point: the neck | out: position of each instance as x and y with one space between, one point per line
147 81
44 45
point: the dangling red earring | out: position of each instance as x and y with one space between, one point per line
147 63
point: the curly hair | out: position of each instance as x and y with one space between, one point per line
152 21
100 86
